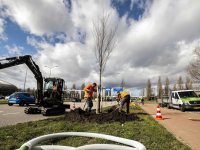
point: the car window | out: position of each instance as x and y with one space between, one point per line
26 94
15 94
32 95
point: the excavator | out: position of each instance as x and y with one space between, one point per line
49 97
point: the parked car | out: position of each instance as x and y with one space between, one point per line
21 98
75 99
7 97
2 97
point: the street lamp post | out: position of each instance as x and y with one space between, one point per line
123 82
50 69
25 79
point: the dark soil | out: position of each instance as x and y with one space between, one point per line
108 116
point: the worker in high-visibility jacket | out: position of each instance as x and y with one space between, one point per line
125 98
88 95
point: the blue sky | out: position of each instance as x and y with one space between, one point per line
156 38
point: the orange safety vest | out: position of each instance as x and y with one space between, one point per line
91 88
122 95
54 87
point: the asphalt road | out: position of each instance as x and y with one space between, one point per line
11 115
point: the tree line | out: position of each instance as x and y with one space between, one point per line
164 90
193 71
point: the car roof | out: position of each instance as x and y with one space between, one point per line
23 92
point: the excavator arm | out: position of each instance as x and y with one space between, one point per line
27 59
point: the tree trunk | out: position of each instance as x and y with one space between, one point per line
98 99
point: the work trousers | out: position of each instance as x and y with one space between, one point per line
124 100
89 104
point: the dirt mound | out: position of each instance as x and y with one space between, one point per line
108 116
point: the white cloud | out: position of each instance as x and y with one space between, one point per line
2 34
40 17
16 50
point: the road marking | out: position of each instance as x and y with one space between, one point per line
1 111
12 113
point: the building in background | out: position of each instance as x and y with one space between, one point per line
6 88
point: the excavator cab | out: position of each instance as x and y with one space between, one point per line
53 91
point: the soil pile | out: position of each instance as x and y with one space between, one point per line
108 116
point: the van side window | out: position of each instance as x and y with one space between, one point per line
172 95
176 96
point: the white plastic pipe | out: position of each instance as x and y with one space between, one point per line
85 147
134 144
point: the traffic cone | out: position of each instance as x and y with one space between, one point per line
73 106
158 114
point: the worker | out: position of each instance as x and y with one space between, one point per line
53 87
142 100
53 90
125 98
88 95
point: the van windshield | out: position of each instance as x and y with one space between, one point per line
187 94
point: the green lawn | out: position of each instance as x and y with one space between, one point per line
3 102
147 131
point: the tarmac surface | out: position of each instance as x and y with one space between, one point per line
183 125
12 115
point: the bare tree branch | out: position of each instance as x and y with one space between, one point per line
193 68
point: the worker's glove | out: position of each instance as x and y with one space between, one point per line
89 91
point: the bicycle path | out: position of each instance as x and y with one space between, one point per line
183 125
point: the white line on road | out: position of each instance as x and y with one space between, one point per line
12 113
1 111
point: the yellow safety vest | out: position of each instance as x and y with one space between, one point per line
122 95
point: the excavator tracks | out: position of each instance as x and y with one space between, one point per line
32 110
52 111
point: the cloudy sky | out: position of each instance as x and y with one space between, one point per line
155 38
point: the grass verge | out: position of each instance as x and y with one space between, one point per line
3 102
147 131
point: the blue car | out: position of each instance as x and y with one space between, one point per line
21 98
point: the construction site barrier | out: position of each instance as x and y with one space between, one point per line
133 145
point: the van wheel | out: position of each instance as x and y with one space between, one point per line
10 104
182 108
168 106
21 103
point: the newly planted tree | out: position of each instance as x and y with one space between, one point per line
104 42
